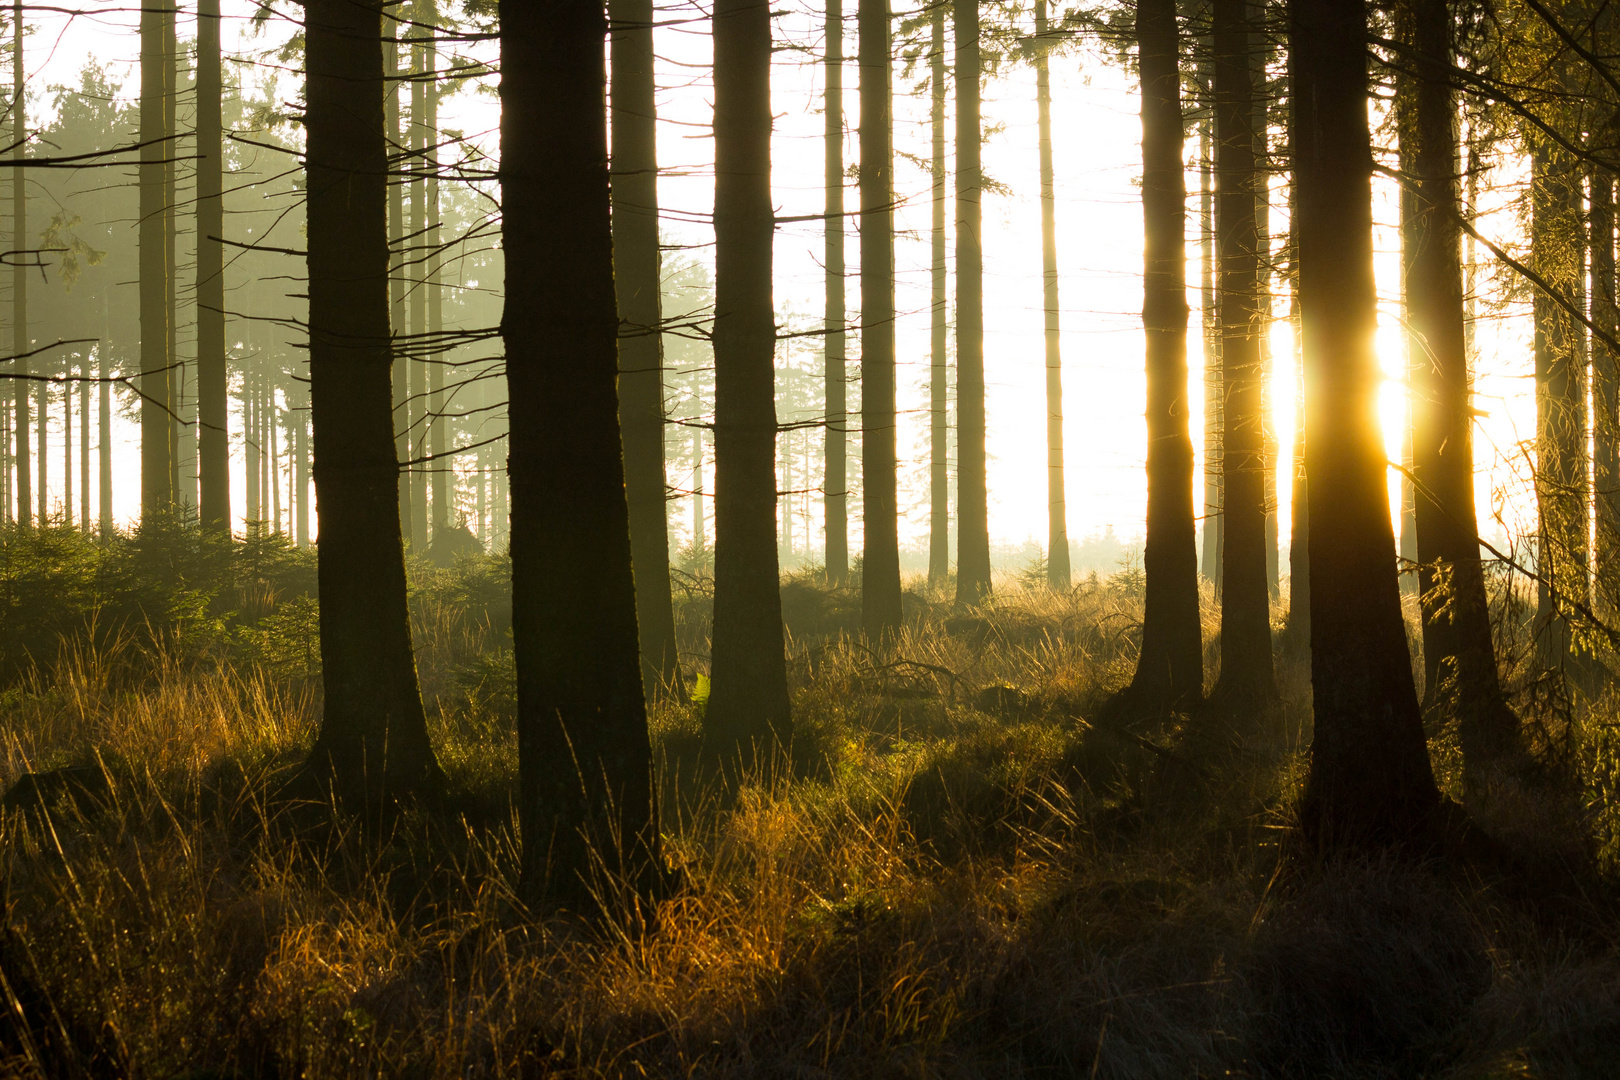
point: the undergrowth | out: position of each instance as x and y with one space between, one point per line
967 876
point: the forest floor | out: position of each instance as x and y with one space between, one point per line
969 879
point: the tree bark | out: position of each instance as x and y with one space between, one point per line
585 761
1057 539
1605 393
641 346
748 707
400 164
973 497
373 739
1370 780
1460 674
157 462
442 469
1169 670
939 485
19 273
835 373
1247 679
880 500
416 291
171 257
213 402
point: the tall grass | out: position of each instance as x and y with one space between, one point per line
965 877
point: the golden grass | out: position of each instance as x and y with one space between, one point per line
959 885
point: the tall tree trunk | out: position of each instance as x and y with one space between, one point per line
442 469
880 499
585 760
973 496
67 441
84 441
748 704
157 462
104 438
939 487
401 165
250 446
1370 779
373 736
1460 675
1299 524
641 349
417 527
1247 679
213 403
19 273
835 374
171 259
1214 520
1169 670
1057 539
301 471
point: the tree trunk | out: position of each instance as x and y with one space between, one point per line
84 441
213 405
250 447
442 468
1169 671
972 498
1299 525
416 291
104 436
835 374
19 273
171 259
585 760
880 500
939 486
1247 680
1561 563
1460 675
641 348
157 463
748 703
1213 518
1605 393
1057 539
400 164
373 736
1370 779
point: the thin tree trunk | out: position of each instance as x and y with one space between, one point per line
880 500
1214 520
1169 670
835 376
442 469
301 470
1057 540
748 703
401 164
273 460
250 447
19 273
157 463
1605 393
1370 779
973 497
84 441
213 403
373 736
171 279
67 442
585 760
419 540
641 348
104 437
1247 680
939 486
1460 675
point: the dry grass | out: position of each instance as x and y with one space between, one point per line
968 880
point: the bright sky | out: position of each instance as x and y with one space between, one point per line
1097 159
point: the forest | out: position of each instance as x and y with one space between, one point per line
589 538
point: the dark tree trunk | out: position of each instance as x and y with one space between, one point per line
171 258
939 484
584 757
748 704
442 468
1460 673
1247 679
972 492
1210 553
1605 393
157 463
399 164
213 401
1370 779
23 388
880 503
1169 670
641 345
1057 538
373 738
834 375
416 529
